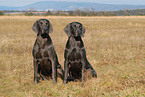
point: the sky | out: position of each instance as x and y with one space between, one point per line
27 2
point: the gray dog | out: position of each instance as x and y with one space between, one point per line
75 55
45 58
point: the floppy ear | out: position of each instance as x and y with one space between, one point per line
50 28
67 30
83 31
35 27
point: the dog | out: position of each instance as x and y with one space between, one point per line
45 58
76 62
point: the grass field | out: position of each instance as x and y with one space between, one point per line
115 47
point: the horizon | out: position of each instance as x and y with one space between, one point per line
18 3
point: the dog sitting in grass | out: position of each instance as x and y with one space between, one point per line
76 62
45 58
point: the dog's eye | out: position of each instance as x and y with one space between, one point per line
46 24
41 23
75 26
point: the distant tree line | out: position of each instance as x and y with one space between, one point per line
85 12
1 13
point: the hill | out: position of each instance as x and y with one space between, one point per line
71 6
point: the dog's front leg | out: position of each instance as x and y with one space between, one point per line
54 65
54 71
83 61
35 71
66 69
83 69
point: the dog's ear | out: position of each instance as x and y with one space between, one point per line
83 31
67 30
50 28
35 27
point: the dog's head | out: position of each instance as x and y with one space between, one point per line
42 26
74 29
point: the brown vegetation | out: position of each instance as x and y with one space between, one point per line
115 47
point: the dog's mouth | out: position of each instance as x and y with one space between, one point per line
45 35
77 38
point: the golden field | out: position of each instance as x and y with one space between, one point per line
115 47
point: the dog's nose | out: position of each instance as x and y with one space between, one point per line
78 30
45 28
76 34
44 31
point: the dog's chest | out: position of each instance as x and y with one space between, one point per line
75 44
42 53
75 52
43 49
42 43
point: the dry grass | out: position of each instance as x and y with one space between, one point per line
115 47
